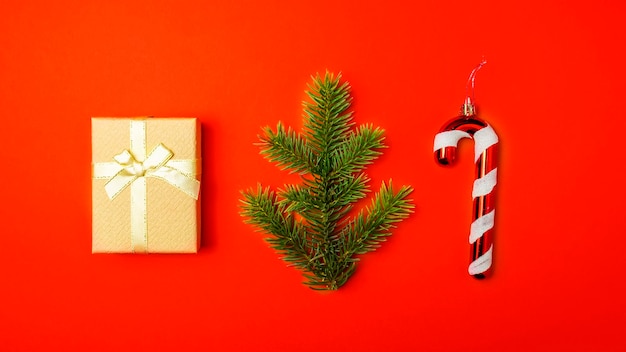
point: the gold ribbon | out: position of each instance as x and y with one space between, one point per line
129 170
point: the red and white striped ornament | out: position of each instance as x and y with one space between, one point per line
468 125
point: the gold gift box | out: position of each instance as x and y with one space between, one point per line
145 185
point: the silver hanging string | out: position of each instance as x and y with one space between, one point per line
469 108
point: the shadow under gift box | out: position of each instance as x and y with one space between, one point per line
149 208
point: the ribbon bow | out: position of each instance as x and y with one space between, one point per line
157 164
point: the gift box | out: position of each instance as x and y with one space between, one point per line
145 185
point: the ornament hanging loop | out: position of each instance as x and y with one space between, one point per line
468 108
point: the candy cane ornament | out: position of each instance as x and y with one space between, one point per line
468 125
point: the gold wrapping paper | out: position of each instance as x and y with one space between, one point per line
168 216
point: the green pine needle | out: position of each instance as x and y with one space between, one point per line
310 224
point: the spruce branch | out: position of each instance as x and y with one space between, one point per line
287 149
309 224
359 150
386 209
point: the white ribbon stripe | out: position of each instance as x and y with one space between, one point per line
485 184
449 139
482 263
481 225
483 139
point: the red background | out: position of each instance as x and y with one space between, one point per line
553 90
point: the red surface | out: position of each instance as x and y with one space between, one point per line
553 90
